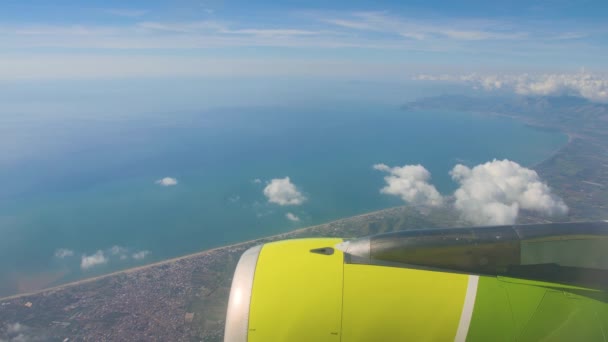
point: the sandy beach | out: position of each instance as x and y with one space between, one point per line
197 254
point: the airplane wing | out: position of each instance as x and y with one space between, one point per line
511 283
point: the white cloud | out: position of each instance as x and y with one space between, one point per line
167 181
583 84
166 35
570 36
481 35
351 24
62 253
410 182
257 181
117 250
494 192
19 332
15 328
272 32
418 29
96 259
283 192
184 27
140 255
292 217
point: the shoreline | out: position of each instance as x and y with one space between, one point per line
571 138
538 125
186 256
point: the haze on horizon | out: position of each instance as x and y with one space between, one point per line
107 58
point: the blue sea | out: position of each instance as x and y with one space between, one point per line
78 168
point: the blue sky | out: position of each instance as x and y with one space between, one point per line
375 39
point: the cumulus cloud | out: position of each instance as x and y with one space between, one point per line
257 181
111 254
410 182
283 192
583 84
62 253
494 192
88 261
292 217
15 328
19 332
140 255
167 181
117 250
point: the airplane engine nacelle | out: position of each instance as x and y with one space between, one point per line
436 284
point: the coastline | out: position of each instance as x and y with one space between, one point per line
557 150
191 255
539 125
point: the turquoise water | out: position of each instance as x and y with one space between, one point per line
99 189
